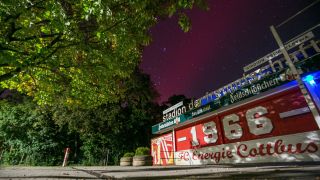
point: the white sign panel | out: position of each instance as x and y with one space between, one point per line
289 148
173 107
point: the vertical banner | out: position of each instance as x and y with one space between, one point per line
162 150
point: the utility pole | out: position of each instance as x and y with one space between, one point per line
297 76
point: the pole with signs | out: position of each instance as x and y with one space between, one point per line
297 76
174 146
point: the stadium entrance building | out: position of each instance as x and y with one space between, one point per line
261 117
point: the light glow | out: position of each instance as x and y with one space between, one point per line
310 80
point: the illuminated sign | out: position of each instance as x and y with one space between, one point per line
265 71
277 126
169 123
162 150
255 88
173 107
174 111
274 74
255 132
262 73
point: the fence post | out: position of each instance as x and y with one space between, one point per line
66 155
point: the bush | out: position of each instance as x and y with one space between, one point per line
128 154
140 151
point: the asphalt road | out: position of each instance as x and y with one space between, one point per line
171 172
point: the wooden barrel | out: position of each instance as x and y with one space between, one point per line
126 161
142 160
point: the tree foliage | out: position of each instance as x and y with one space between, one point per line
29 136
35 135
114 128
83 55
174 99
77 52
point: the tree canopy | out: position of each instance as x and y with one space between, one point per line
78 52
119 127
36 135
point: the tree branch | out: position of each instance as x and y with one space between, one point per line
35 5
57 48
35 37
12 17
10 74
53 42
116 24
12 30
3 48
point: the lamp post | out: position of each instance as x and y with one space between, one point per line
297 76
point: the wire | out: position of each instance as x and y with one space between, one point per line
301 11
310 29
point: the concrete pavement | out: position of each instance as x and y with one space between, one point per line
292 171
18 172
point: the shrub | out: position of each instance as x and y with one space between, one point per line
128 154
140 151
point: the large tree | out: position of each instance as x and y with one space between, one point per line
114 128
28 135
77 52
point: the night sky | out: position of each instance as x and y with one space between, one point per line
232 34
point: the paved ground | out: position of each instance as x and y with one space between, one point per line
306 171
